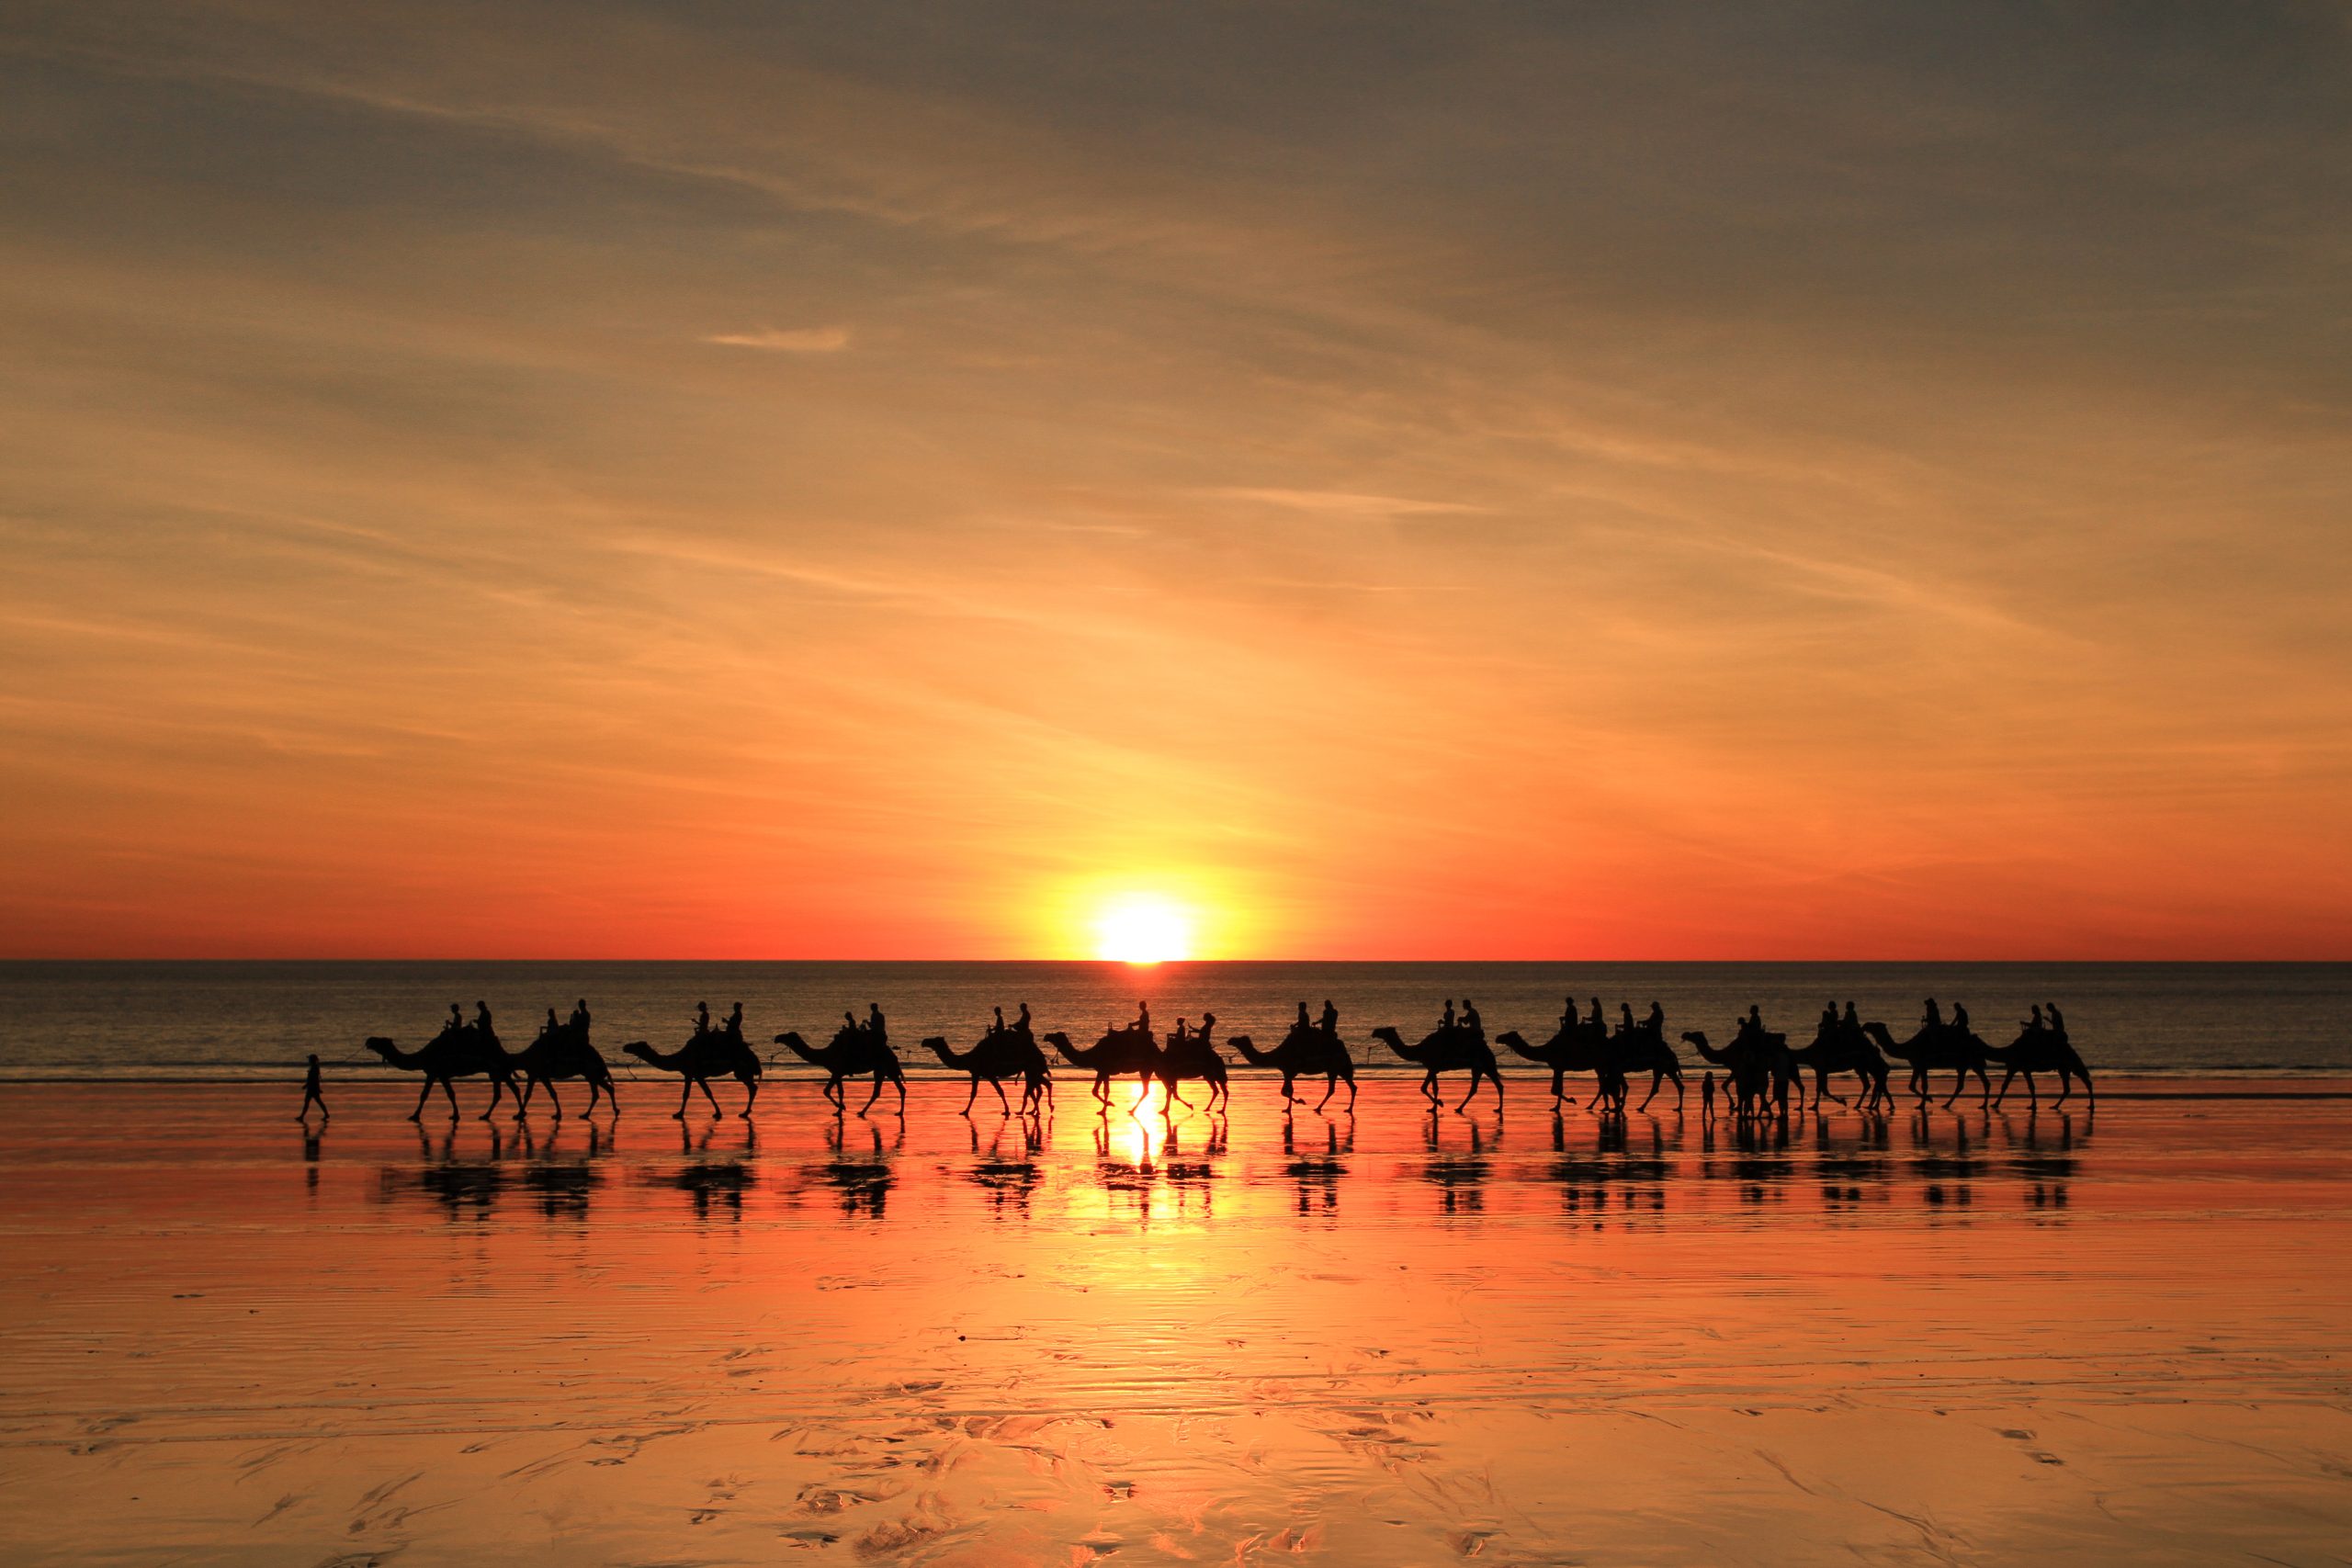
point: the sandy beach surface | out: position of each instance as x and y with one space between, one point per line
1389 1339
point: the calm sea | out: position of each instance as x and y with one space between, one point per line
246 1020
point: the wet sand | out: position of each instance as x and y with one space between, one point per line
1949 1339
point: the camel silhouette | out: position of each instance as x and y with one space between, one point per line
1576 1050
1836 1048
1001 1054
461 1051
1120 1053
1642 1048
853 1053
2043 1050
1934 1046
564 1051
1454 1050
711 1055
1758 1065
1303 1053
1192 1056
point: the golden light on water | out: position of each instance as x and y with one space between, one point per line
1143 928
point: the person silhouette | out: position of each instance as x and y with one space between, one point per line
481 1018
456 1016
549 1026
1853 1018
1569 1017
1300 1026
311 1094
580 1015
735 1021
1960 1018
1021 1024
1599 1021
1445 1023
1934 1016
1471 1024
702 1018
1208 1025
1656 1022
850 1018
2057 1018
874 1023
2034 1022
1829 1018
1330 1018
1625 1012
1143 1017
1181 1032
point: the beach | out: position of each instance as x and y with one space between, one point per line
1955 1337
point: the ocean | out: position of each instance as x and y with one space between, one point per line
195 1020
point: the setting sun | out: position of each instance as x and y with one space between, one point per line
1143 928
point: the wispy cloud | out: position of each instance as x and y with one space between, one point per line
786 340
1346 503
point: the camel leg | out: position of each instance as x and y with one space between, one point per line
1958 1082
872 1098
1002 1104
422 1096
974 1093
751 1097
1330 1088
1428 1088
1351 1094
686 1092
704 1083
1656 1078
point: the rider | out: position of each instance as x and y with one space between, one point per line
1853 1018
550 1027
1656 1022
1471 1024
1568 1019
1626 1011
702 1017
456 1016
2057 1018
580 1015
1021 1024
1933 1018
1960 1018
2035 1022
874 1023
735 1021
481 1018
1445 1024
1301 1026
997 1027
1600 1020
1753 1024
1142 1024
1330 1018
1208 1025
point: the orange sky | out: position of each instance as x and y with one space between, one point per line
707 481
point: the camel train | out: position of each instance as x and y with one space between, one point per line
1763 1075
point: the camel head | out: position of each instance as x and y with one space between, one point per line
381 1046
1247 1046
1696 1038
937 1045
1388 1036
790 1039
639 1049
1512 1038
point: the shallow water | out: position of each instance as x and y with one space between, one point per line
1385 1338
244 1019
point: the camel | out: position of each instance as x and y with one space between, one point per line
853 1054
1001 1054
564 1051
2041 1051
1838 1049
455 1053
716 1054
1643 1049
1303 1053
1758 1066
1447 1051
1192 1056
1116 1056
1575 1050
1938 1045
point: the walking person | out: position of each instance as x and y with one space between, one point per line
311 1094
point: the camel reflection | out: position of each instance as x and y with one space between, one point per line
1318 1179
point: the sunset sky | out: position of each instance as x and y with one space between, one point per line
744 480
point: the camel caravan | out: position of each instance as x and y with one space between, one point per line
1763 1074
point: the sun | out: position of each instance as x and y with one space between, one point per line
1143 928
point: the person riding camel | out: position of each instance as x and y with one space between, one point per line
1445 1024
735 1023
1752 1026
580 1015
550 1026
1207 1028
1656 1022
2035 1023
481 1018
1330 1018
1142 1024
1021 1024
1599 1021
2057 1018
1626 1018
874 1023
1300 1025
1959 1018
997 1027
1934 1016
1471 1024
456 1016
1570 1018
702 1018
1853 1018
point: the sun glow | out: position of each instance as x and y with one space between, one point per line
1143 928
